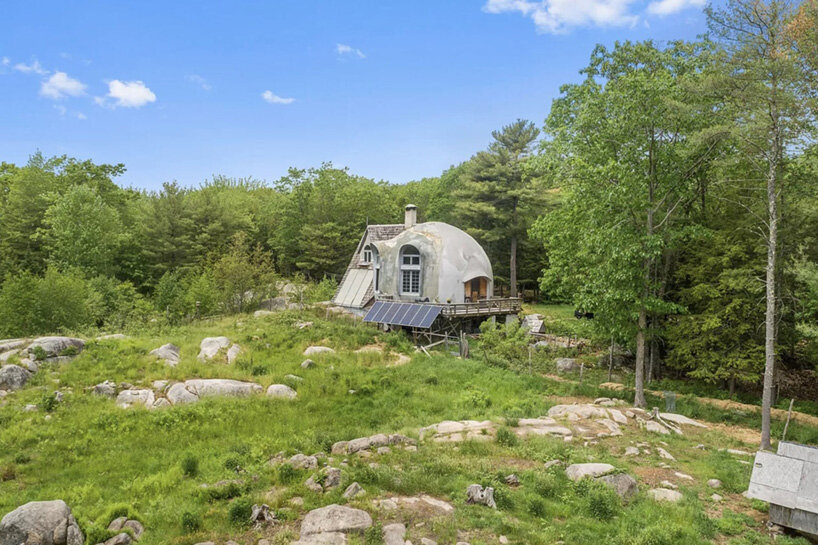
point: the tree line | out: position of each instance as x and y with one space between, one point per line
671 193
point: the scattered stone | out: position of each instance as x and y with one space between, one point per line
716 497
119 539
394 534
129 398
42 523
540 426
233 353
551 463
353 491
178 394
665 495
512 480
313 350
159 385
566 364
656 427
631 451
13 377
617 416
211 346
30 408
576 472
450 431
664 454
714 483
427 541
335 518
503 540
332 477
367 443
5 356
306 364
303 325
668 484
112 337
105 389
296 378
55 346
302 461
160 403
681 419
168 352
384 450
684 476
476 494
623 484
119 524
281 391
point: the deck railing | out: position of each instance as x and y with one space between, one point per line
500 305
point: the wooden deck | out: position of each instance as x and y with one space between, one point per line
486 307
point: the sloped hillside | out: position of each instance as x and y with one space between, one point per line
295 427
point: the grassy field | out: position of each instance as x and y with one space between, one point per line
104 460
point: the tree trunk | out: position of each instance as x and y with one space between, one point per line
639 398
769 330
513 267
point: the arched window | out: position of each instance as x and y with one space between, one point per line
409 271
367 255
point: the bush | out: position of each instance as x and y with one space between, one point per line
190 466
374 535
48 402
191 522
240 511
506 437
287 474
232 463
536 507
55 302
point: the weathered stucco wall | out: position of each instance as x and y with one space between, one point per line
449 258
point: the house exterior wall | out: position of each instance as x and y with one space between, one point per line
449 259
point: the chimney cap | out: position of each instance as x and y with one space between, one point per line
411 207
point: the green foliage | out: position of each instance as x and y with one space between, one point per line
240 511
191 522
506 437
374 534
504 345
190 466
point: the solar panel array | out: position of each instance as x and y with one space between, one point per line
403 314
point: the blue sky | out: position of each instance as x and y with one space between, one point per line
394 90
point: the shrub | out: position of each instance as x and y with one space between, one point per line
536 507
506 437
8 473
190 466
240 511
48 402
232 463
287 474
39 353
191 522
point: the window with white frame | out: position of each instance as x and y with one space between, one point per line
367 257
409 271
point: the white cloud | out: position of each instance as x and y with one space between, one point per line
6 61
268 96
34 67
60 108
559 16
345 50
669 7
81 115
61 85
200 81
127 94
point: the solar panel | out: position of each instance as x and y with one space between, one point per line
403 314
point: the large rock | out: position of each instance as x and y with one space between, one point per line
233 353
623 484
576 472
482 496
13 377
313 350
6 356
178 394
211 346
168 352
394 534
130 398
566 364
220 387
41 523
281 391
665 494
577 411
54 346
367 443
105 389
334 518
11 344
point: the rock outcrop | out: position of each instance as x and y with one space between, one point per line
211 346
335 519
41 523
168 352
313 350
13 377
55 346
281 391
368 443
